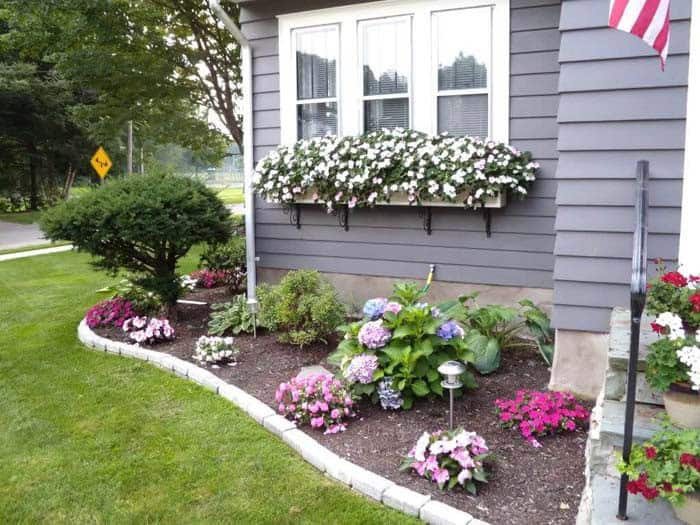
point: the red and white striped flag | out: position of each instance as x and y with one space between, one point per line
648 19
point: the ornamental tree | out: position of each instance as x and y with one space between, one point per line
143 224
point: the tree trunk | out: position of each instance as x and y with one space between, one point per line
70 179
33 184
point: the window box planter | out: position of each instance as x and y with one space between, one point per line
401 199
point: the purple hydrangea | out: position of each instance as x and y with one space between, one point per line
374 308
450 329
374 335
361 369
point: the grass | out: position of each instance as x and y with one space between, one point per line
89 437
231 195
21 217
34 247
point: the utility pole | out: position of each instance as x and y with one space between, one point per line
141 169
130 148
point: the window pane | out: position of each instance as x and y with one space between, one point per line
386 56
464 48
317 120
386 113
464 115
317 59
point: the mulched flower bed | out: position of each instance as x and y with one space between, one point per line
527 485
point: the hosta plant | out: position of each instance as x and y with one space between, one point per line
493 329
110 313
451 458
377 167
233 317
149 330
213 349
536 414
403 340
319 400
666 466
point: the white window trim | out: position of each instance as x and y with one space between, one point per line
423 93
299 102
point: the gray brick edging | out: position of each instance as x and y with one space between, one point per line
359 479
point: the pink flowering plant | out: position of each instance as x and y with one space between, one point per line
536 414
110 313
207 279
399 344
380 166
449 458
319 400
149 330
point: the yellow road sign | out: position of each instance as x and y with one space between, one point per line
101 162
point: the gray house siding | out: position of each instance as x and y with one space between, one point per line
616 106
390 241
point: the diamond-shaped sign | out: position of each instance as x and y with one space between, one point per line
101 162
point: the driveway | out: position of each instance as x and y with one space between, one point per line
17 235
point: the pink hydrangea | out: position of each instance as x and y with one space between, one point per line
538 414
374 335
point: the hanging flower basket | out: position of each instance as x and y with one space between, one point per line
397 168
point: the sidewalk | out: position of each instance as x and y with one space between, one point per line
32 253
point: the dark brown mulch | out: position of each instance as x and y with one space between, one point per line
528 486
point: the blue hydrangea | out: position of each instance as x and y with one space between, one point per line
450 329
389 398
374 308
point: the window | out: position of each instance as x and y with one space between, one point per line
316 55
431 65
386 73
462 50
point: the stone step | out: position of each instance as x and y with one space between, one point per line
603 506
612 426
616 388
618 353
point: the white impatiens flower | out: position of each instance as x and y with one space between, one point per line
690 356
421 446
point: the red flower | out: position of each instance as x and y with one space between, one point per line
650 492
695 301
675 278
657 328
666 486
650 452
687 459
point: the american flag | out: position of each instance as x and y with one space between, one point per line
648 19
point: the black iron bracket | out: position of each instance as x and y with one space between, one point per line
294 212
343 217
427 214
487 222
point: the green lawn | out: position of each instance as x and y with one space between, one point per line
88 437
231 195
23 217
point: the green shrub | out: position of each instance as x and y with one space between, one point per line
143 301
230 258
233 317
142 223
304 308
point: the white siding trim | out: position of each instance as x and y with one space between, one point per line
423 104
689 250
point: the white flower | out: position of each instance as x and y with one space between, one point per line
421 446
674 323
690 356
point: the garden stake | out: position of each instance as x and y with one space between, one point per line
637 300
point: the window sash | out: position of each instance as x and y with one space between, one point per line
423 86
362 46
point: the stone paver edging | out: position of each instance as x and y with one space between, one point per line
359 479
